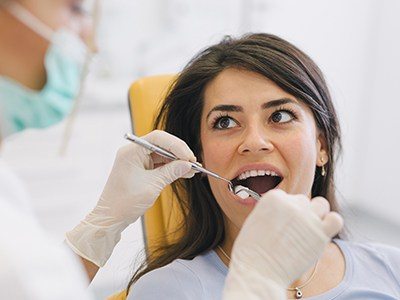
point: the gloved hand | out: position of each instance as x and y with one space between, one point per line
282 237
136 180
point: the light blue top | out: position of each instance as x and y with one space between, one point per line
372 272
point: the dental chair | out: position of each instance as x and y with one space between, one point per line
160 222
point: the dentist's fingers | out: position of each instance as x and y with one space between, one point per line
301 200
171 143
171 172
332 224
320 206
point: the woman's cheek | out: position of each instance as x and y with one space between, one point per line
299 154
217 154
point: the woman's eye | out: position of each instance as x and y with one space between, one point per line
224 123
282 116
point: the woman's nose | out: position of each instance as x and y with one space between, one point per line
255 140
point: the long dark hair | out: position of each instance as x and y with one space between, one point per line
202 228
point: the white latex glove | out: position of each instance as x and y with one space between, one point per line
280 240
136 180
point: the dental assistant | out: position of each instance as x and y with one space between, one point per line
43 49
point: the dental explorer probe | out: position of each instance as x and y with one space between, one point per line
239 190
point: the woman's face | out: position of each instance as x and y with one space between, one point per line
250 128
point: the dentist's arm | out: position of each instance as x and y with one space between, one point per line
136 180
282 237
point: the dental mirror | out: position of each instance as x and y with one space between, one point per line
244 192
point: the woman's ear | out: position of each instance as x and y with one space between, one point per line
322 150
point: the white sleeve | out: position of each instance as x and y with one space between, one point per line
32 266
12 190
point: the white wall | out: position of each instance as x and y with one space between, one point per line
355 43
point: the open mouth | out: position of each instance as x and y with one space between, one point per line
259 181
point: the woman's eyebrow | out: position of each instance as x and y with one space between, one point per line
237 108
277 102
225 107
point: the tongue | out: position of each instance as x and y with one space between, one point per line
262 184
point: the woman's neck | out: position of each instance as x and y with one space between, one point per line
231 233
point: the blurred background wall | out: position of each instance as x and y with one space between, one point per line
355 42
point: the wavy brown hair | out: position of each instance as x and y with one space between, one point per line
292 70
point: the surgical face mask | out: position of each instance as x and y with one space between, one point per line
22 108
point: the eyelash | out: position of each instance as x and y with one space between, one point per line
280 109
287 110
218 118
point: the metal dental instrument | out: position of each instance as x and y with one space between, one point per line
240 190
195 165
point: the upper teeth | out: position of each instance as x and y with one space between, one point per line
255 173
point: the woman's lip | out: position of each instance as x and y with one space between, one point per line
248 201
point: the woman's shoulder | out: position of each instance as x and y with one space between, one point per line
182 279
172 281
385 251
374 256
